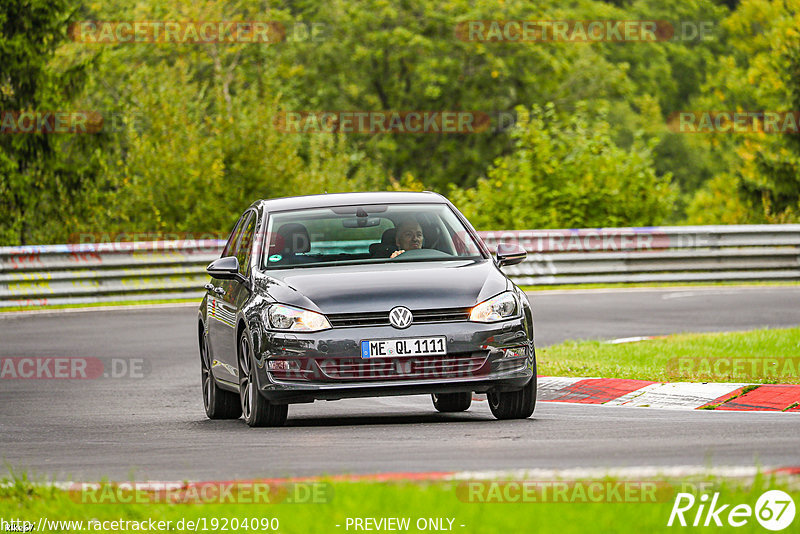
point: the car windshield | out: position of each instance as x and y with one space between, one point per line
366 234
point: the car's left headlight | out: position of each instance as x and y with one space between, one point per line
497 308
282 317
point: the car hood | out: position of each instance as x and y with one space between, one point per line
380 287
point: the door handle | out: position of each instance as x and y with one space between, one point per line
219 291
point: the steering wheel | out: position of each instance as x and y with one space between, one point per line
422 253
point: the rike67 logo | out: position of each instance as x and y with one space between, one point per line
774 510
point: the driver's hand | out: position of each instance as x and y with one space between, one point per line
396 253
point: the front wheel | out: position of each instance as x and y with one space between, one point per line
452 402
219 404
257 410
514 404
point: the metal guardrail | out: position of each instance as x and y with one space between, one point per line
655 254
104 272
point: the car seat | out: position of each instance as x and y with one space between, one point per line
387 245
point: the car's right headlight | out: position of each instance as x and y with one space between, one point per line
283 317
497 308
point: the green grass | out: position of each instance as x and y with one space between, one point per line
681 357
551 287
23 500
99 304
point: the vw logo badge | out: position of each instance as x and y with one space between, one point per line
400 317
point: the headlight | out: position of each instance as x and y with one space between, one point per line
282 317
496 308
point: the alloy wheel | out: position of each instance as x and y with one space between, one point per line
246 382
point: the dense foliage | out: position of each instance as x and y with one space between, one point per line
581 133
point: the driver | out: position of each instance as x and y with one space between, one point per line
408 236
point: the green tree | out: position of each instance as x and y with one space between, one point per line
761 72
566 172
384 55
41 175
201 144
198 140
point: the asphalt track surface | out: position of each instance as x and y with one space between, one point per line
154 428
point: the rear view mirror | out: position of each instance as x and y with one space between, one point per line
361 211
510 254
361 222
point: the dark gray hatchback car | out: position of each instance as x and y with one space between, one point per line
360 295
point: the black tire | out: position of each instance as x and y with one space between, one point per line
219 404
452 402
514 404
257 410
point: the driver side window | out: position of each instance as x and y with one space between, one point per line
233 239
245 246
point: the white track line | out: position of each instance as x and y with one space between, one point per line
125 307
639 472
634 339
667 289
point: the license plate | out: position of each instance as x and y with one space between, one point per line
416 346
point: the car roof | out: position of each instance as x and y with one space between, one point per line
344 199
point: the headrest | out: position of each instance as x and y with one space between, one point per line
388 237
291 238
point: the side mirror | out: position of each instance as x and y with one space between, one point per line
510 254
226 268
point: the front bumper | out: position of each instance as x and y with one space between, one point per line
328 365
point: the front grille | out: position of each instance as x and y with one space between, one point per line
420 367
358 319
442 315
